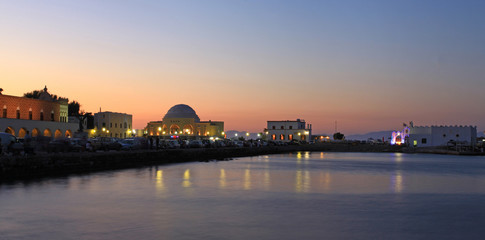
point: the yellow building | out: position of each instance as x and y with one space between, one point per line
181 121
112 124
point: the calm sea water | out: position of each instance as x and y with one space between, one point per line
306 195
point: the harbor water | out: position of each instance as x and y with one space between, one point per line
301 195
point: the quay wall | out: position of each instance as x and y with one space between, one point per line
43 164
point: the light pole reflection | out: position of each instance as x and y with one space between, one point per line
222 179
159 180
247 179
186 183
397 182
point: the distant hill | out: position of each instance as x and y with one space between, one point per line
480 134
374 135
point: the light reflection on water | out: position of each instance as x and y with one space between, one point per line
288 196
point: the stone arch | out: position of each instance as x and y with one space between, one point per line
35 132
47 133
10 130
164 128
58 134
68 134
174 128
188 129
22 132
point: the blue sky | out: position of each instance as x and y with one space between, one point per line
368 64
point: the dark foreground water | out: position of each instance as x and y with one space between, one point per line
289 196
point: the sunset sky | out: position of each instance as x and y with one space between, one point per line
369 65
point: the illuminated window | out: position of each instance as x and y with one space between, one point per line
415 143
282 137
290 137
273 137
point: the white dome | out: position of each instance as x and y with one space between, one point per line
182 111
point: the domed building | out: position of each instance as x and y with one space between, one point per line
181 121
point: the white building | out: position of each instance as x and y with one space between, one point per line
287 131
113 124
440 135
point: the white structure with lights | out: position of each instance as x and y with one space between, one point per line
287 131
441 135
400 137
434 136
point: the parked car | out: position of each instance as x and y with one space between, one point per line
105 143
173 144
58 145
129 144
196 144
10 143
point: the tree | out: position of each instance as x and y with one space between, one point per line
338 136
34 94
74 108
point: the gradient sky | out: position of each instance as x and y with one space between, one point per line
370 65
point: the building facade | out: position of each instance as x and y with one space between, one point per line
181 121
434 136
288 130
112 124
45 116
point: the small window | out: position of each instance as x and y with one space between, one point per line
444 135
282 127
290 137
116 125
282 137
42 116
424 140
104 124
274 127
125 124
110 125
18 113
457 135
273 136
291 127
30 115
52 116
4 113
